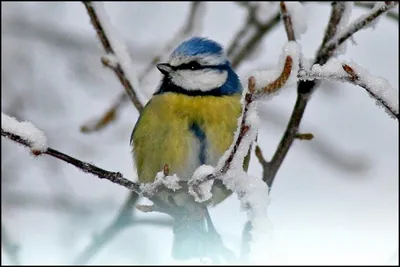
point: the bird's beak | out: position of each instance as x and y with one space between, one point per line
164 68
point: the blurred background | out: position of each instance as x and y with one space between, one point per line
334 200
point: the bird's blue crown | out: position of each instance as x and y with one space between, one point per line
196 46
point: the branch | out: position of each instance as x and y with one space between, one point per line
114 177
337 11
287 21
392 15
305 88
187 29
378 88
10 248
360 23
104 29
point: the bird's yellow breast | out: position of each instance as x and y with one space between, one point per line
164 133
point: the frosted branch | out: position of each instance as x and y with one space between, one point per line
113 45
391 14
362 22
191 27
305 88
378 88
287 21
337 12
32 137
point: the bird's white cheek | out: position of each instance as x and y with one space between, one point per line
199 79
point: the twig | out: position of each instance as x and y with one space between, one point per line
114 177
110 50
392 15
352 28
334 20
185 31
304 136
10 248
304 90
287 22
385 97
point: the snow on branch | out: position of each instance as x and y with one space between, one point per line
191 27
114 45
377 87
294 19
32 137
251 191
364 21
28 135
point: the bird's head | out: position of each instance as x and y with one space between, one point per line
199 66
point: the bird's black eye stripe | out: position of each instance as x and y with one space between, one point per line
192 65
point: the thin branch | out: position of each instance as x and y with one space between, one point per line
304 136
187 29
352 28
110 50
337 12
305 88
382 92
392 15
287 21
10 248
114 177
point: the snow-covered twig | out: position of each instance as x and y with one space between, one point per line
287 21
15 135
237 150
362 22
10 248
337 12
378 88
305 88
113 45
32 137
190 27
391 14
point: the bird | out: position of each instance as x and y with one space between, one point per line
189 121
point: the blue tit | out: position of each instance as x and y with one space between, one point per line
191 119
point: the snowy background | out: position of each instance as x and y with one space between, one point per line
335 198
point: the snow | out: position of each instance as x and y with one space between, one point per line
265 77
359 22
379 88
317 219
170 182
344 21
298 17
204 187
26 130
119 47
251 191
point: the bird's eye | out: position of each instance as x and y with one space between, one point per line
193 65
